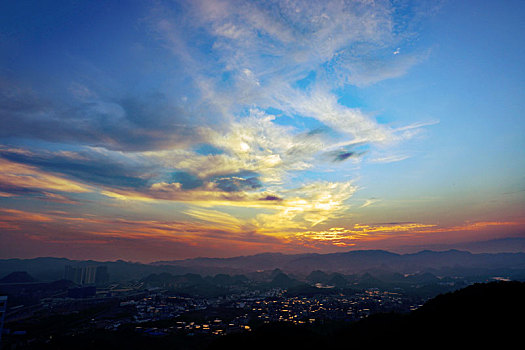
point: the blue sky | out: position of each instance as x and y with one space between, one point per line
182 128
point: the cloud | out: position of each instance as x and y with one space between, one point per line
264 49
16 178
127 124
249 54
271 198
369 202
218 218
475 226
236 183
91 165
346 237
299 208
232 104
253 143
389 159
212 228
307 206
343 154
186 180
252 56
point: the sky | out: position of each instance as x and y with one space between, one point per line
158 130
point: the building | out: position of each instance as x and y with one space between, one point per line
3 308
87 274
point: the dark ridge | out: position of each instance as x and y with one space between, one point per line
479 314
18 277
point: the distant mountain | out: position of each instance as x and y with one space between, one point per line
360 261
349 262
509 245
264 261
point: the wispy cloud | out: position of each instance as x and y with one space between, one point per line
389 159
369 202
347 237
15 178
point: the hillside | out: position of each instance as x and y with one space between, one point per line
479 314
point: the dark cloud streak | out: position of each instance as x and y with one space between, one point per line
271 198
237 184
342 155
89 167
128 124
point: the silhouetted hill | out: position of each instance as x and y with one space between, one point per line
486 301
478 314
18 277
281 280
192 284
481 314
227 280
44 269
349 262
338 280
318 276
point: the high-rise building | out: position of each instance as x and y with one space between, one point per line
102 275
3 308
87 274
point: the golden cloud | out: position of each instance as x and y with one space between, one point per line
16 175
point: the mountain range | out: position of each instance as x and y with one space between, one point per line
359 261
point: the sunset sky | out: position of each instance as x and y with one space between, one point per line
156 130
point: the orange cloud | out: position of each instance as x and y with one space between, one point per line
474 226
376 236
16 175
343 237
211 229
207 196
51 225
7 215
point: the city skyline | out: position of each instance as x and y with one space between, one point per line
170 130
